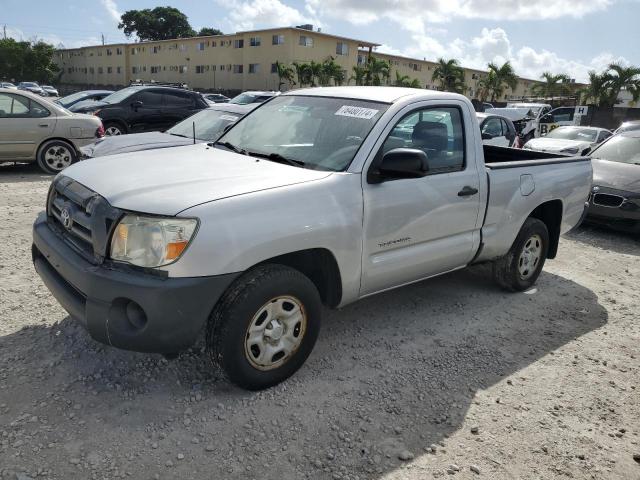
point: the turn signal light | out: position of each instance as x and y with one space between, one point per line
175 249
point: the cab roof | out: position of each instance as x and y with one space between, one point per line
376 94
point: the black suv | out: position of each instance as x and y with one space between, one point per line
144 108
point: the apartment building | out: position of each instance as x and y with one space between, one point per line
239 61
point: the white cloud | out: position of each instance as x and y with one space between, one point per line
112 9
244 15
55 40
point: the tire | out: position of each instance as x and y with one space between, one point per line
519 270
56 155
260 360
114 128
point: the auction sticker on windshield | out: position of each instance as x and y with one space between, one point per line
357 112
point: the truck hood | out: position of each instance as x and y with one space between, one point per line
617 175
170 180
133 143
556 144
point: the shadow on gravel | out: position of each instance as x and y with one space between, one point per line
391 373
607 239
22 172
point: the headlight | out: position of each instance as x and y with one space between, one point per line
571 150
151 241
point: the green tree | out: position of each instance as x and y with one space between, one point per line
377 72
285 74
450 75
208 32
552 86
359 74
27 61
331 71
497 80
598 91
406 81
623 78
304 73
160 23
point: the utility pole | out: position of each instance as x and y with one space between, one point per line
102 35
5 32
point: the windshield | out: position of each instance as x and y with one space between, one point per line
69 99
117 97
324 133
243 99
619 149
29 84
209 124
572 133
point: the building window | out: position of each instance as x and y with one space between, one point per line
238 43
118 51
342 48
156 49
254 68
109 52
222 68
155 69
91 70
213 44
134 50
70 70
213 68
109 69
134 69
183 47
238 69
100 70
274 68
118 69
254 41
277 40
202 68
182 69
306 41
200 46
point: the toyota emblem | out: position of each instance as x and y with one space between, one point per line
65 218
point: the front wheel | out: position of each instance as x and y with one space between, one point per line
265 326
114 128
519 269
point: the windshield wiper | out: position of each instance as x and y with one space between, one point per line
178 135
276 157
232 147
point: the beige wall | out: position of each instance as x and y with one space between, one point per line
216 65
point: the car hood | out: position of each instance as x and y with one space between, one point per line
555 144
170 180
133 143
87 105
617 175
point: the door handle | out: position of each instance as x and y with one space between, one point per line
43 125
467 191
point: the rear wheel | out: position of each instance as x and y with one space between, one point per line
519 269
56 155
113 128
265 326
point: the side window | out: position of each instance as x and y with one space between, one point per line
178 100
436 131
37 110
493 127
150 98
564 114
17 106
603 136
505 128
6 105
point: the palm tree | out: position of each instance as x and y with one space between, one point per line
359 74
285 74
497 80
378 71
553 85
415 83
304 73
623 78
331 71
450 75
598 91
401 80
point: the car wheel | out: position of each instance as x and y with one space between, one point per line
519 269
112 128
56 155
264 327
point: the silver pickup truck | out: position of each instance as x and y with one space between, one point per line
319 196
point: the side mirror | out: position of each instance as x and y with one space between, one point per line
587 151
136 105
403 163
486 136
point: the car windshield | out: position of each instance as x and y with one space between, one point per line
29 84
315 132
243 99
69 99
627 127
117 97
209 124
619 148
572 133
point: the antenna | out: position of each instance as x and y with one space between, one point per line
194 132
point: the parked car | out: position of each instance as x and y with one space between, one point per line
569 140
32 87
615 197
246 239
8 85
628 126
253 97
75 101
145 108
35 129
215 97
496 130
50 91
209 125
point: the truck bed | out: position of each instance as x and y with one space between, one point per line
496 157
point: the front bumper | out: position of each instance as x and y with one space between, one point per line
618 209
122 307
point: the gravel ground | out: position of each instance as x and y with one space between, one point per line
448 377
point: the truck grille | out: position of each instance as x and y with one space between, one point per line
607 200
82 217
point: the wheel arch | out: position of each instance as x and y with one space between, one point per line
60 139
550 213
320 266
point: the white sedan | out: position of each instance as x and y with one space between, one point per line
569 140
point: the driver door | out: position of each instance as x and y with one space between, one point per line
419 227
